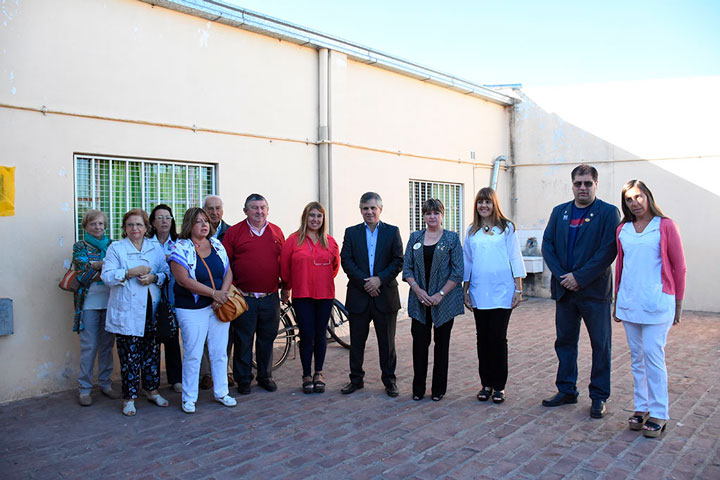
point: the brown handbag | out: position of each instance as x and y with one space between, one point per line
235 305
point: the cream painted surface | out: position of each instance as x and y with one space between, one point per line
124 59
685 188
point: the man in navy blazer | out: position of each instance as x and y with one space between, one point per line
579 247
372 257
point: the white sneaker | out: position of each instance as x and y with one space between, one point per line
227 400
188 407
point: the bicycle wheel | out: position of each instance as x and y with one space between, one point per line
287 332
339 326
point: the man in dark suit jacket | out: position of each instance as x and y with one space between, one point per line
579 247
372 257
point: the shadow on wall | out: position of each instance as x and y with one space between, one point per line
545 150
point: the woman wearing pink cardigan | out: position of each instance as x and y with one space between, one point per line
649 288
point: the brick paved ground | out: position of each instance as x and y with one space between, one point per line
368 435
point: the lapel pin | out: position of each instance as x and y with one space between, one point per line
417 246
587 220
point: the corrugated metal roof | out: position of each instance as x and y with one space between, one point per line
221 12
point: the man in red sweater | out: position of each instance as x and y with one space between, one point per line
253 247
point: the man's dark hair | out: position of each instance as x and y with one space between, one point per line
584 169
254 197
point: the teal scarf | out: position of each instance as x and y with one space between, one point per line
101 244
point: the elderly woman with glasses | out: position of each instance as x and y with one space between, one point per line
134 269
309 262
164 231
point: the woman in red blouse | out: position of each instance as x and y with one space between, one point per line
309 261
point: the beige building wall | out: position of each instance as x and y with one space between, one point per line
120 78
637 130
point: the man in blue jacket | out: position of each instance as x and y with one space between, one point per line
579 247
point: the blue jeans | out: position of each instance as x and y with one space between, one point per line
568 312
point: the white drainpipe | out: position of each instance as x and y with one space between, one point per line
496 169
323 135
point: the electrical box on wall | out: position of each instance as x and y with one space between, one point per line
6 316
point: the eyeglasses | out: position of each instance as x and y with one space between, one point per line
134 225
164 217
312 251
587 183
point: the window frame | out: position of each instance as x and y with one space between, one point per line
444 191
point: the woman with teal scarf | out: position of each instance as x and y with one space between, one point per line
91 301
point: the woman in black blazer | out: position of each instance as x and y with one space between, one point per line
433 267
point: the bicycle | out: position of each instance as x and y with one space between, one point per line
338 330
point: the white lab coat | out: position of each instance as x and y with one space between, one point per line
128 298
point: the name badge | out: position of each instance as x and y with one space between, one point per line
417 246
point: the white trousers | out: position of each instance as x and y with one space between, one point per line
196 326
647 353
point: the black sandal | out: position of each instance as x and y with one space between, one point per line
307 385
498 396
318 384
484 394
417 398
654 427
636 422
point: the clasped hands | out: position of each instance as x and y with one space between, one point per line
372 286
426 299
568 281
219 297
142 273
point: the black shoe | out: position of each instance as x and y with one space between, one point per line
484 394
559 399
244 388
498 396
392 390
206 382
268 385
351 387
597 410
437 398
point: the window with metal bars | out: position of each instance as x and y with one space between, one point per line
450 194
115 185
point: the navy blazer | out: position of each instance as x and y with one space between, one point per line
222 228
388 263
594 252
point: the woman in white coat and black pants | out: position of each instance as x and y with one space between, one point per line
134 269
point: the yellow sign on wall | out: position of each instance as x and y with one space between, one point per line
7 191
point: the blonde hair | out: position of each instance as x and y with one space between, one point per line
302 231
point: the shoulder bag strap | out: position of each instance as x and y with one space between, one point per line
206 265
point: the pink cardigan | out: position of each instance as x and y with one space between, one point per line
672 257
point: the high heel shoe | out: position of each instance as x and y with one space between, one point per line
637 421
307 385
654 427
318 383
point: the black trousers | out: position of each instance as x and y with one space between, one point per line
384 330
173 361
260 322
492 351
421 335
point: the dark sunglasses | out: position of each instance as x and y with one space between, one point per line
587 183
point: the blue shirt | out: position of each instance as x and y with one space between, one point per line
371 239
577 218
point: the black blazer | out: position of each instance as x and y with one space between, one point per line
388 263
594 252
222 228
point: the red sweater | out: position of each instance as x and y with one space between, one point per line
310 272
255 260
672 270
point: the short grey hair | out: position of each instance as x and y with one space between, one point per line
255 197
91 215
212 196
367 196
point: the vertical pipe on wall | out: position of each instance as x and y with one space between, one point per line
323 137
495 170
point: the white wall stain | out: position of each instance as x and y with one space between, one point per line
65 207
43 370
46 338
204 35
8 10
62 172
66 263
60 240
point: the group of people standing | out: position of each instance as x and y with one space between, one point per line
121 282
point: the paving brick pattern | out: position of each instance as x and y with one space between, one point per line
289 435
